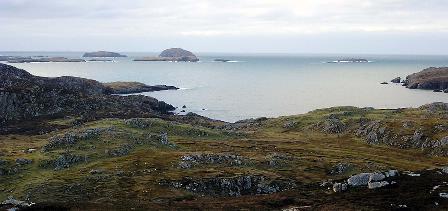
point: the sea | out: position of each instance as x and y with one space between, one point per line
259 85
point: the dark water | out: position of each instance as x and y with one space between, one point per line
260 85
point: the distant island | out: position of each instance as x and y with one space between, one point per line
42 59
221 60
103 54
350 60
174 55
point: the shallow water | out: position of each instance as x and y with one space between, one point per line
260 85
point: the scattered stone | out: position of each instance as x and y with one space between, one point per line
339 187
443 195
277 160
290 124
16 203
31 150
184 106
341 168
384 83
231 186
96 171
23 161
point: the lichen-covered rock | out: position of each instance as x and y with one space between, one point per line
72 137
361 179
278 160
341 168
374 177
65 160
375 185
332 125
121 151
189 161
231 186
290 124
373 132
23 161
340 187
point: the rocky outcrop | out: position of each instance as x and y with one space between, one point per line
25 97
64 161
433 78
103 54
71 138
172 54
135 87
189 161
331 125
231 186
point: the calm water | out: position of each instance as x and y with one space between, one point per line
260 85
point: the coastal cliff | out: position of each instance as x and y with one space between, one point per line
433 78
24 96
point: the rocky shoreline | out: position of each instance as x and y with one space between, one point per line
433 78
25 97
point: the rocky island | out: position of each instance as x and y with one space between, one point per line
350 60
67 143
103 54
135 87
174 55
43 60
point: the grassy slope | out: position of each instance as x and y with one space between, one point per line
133 180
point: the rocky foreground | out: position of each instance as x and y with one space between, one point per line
135 155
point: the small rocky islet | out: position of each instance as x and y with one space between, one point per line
173 55
69 143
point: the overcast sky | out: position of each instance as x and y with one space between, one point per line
265 26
